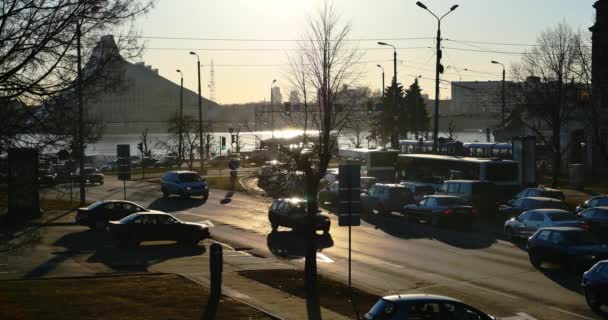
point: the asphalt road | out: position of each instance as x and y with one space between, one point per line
389 256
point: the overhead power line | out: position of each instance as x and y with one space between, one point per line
275 40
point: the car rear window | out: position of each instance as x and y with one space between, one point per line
95 205
189 177
602 202
561 216
450 201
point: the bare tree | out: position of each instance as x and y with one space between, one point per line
189 131
545 72
324 66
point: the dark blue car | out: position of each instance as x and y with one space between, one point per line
423 306
595 285
575 248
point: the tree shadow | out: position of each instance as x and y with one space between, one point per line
292 244
105 250
557 274
227 198
175 204
461 236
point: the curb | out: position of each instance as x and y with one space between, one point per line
97 276
268 313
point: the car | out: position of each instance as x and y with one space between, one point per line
598 201
528 222
441 209
166 162
423 306
480 194
419 190
516 207
97 215
47 177
184 184
291 213
221 160
541 192
597 219
595 285
574 248
330 193
156 226
92 175
385 198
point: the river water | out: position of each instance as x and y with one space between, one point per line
107 144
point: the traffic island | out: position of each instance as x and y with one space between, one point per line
333 295
146 296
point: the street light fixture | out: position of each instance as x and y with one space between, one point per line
394 136
438 70
379 66
504 102
272 109
200 110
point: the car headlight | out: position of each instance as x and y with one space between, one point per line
188 188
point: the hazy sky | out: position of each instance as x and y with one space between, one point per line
244 72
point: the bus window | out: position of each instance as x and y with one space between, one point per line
501 172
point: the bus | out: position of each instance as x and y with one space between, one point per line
503 150
377 163
434 169
444 146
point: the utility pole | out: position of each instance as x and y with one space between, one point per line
80 114
395 111
504 102
200 111
438 71
180 150
272 109
379 66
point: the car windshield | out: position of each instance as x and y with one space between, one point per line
129 218
561 216
451 202
189 177
580 238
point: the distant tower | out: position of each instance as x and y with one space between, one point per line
211 82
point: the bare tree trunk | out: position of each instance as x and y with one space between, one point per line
313 306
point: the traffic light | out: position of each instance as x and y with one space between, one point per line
140 147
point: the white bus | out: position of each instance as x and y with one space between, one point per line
434 169
377 163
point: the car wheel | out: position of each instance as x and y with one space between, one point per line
380 210
274 226
100 225
509 234
205 197
535 260
593 300
101 182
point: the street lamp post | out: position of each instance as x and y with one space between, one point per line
438 70
272 109
200 110
379 66
180 150
394 137
504 102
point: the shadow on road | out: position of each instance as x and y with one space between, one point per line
175 204
564 278
227 198
292 244
465 237
101 248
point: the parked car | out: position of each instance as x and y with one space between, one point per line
221 160
419 190
91 175
516 207
481 195
166 162
541 192
291 213
441 209
368 182
47 177
595 285
109 166
597 219
97 215
423 306
183 183
385 198
330 193
147 162
598 201
575 248
528 222
155 226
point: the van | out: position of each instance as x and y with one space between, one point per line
480 194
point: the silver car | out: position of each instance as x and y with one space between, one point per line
184 183
526 224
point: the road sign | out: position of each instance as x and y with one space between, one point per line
349 194
123 157
223 143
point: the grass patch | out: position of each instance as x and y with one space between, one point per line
333 295
127 297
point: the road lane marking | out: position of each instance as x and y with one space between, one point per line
323 258
525 316
570 313
392 264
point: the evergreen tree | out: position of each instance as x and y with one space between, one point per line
415 109
383 123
